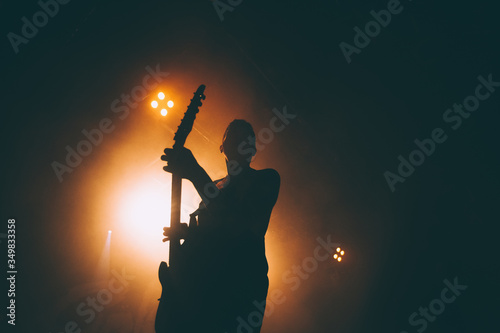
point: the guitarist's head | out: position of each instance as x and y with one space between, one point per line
238 143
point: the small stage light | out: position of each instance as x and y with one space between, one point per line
109 231
339 254
162 104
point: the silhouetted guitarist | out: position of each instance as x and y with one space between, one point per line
225 267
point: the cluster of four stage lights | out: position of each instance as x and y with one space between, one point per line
161 97
339 254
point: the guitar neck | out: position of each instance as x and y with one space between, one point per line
180 138
175 218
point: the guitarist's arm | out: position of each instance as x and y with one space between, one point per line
252 209
255 205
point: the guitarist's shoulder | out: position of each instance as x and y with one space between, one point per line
269 177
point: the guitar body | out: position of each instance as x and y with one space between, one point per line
178 309
177 301
166 319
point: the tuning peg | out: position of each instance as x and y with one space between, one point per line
193 222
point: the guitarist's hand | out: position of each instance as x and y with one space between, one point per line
182 233
181 162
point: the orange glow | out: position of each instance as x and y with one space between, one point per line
161 95
338 249
143 209
342 253
164 112
335 256
339 259
154 104
125 190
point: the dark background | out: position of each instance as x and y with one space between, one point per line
353 121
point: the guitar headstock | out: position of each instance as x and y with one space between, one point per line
189 116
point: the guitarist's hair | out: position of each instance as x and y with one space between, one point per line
243 130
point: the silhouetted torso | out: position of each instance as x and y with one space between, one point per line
229 248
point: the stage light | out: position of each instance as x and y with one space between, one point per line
162 104
102 270
338 256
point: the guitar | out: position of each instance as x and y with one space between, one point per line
170 316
